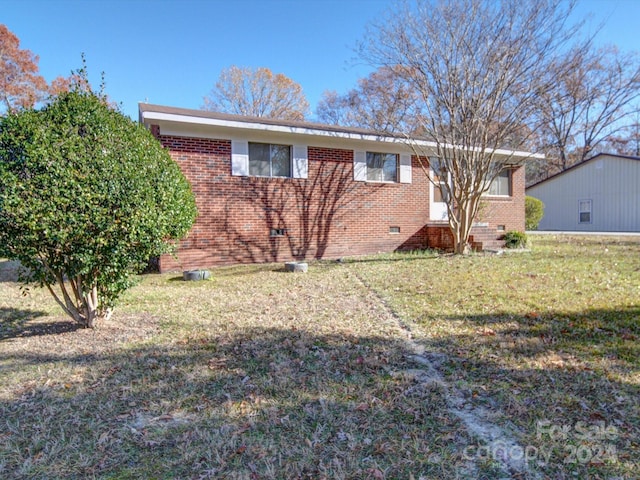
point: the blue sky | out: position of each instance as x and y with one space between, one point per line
171 52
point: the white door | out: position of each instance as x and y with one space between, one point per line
437 195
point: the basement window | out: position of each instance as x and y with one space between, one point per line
394 229
277 232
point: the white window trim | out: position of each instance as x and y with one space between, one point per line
405 171
299 161
590 211
360 166
403 167
240 159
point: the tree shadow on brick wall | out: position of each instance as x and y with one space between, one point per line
298 217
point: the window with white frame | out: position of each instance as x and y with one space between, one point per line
584 211
269 160
382 167
501 185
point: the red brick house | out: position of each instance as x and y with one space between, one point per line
270 190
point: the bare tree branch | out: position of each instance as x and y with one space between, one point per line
477 67
257 93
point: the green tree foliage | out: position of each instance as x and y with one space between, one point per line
533 212
87 196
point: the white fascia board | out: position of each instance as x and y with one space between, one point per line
418 145
214 122
149 116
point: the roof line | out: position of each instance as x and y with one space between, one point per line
628 157
202 117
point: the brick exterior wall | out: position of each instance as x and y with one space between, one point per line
506 211
497 216
327 215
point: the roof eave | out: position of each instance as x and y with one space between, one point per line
148 115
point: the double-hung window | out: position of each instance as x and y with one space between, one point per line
584 211
382 167
269 160
501 185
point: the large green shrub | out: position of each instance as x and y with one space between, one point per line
533 212
87 196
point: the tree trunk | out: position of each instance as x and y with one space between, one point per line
84 307
461 224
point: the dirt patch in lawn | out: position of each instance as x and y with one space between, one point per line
58 337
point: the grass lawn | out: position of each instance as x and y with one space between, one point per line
403 366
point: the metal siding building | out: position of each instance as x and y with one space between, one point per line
599 195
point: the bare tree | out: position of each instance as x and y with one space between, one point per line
258 93
383 101
595 95
477 67
625 142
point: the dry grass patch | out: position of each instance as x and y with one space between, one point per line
547 340
263 374
256 374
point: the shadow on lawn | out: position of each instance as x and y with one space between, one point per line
594 333
16 323
398 256
270 403
238 271
575 371
266 403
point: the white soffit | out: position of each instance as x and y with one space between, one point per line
232 125
236 125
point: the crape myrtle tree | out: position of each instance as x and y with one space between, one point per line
87 197
477 68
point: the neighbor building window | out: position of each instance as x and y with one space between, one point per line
268 160
584 210
382 167
501 185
